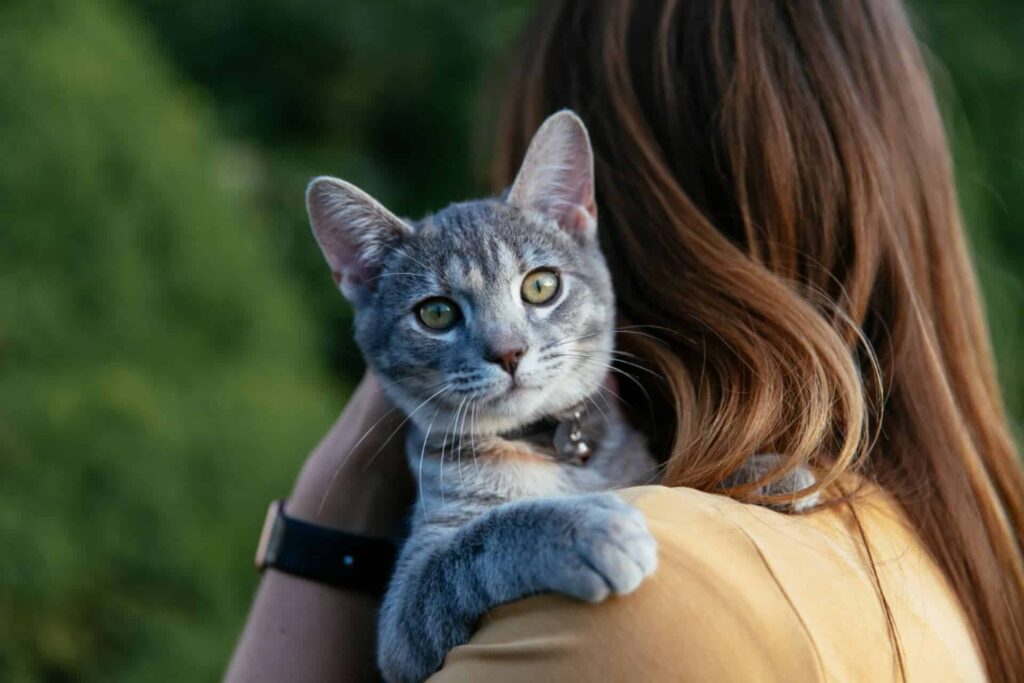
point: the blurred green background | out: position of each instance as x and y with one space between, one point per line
170 342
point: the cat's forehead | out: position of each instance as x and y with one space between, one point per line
475 240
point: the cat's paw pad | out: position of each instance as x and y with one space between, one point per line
610 550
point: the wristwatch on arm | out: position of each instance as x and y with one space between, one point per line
323 554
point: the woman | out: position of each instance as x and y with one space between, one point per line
777 205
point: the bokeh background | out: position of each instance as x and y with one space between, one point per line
170 342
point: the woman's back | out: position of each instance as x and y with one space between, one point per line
747 594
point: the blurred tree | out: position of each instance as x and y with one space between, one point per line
979 73
386 95
156 382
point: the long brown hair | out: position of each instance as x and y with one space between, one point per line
778 209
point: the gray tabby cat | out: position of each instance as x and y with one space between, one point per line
491 325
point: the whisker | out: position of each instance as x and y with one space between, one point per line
409 378
403 423
406 255
618 371
582 355
639 367
568 341
459 433
600 393
348 455
472 433
462 432
627 354
423 452
384 275
618 397
444 445
341 465
598 407
659 328
640 334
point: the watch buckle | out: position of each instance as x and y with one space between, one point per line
266 550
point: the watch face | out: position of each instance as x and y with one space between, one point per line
270 536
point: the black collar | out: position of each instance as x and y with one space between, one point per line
570 437
544 426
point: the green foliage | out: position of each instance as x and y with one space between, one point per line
389 95
979 73
157 386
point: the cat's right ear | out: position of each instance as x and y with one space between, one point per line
354 231
556 179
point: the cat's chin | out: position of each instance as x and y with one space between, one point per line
522 405
505 410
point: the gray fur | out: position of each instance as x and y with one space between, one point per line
762 467
495 520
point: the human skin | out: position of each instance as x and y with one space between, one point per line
355 480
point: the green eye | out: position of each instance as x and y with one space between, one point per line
438 313
540 286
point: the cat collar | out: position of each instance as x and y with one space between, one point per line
571 437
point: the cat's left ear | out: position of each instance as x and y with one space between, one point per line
557 176
355 233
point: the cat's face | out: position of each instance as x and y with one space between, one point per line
489 314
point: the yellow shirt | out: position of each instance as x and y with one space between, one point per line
741 593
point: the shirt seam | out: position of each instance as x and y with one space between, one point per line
785 594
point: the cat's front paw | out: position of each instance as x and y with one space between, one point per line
606 548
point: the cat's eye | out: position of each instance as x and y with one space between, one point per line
540 286
438 313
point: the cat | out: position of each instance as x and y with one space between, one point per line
491 326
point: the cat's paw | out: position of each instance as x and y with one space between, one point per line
798 479
606 548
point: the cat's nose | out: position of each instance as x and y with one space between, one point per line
509 359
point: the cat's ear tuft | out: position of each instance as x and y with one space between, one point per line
557 176
354 231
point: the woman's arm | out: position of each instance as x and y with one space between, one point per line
302 630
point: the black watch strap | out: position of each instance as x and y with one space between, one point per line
323 554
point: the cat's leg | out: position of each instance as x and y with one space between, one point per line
797 479
587 546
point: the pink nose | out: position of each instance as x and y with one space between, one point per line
509 360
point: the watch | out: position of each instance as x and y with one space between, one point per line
323 554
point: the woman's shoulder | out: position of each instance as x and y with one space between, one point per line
742 593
